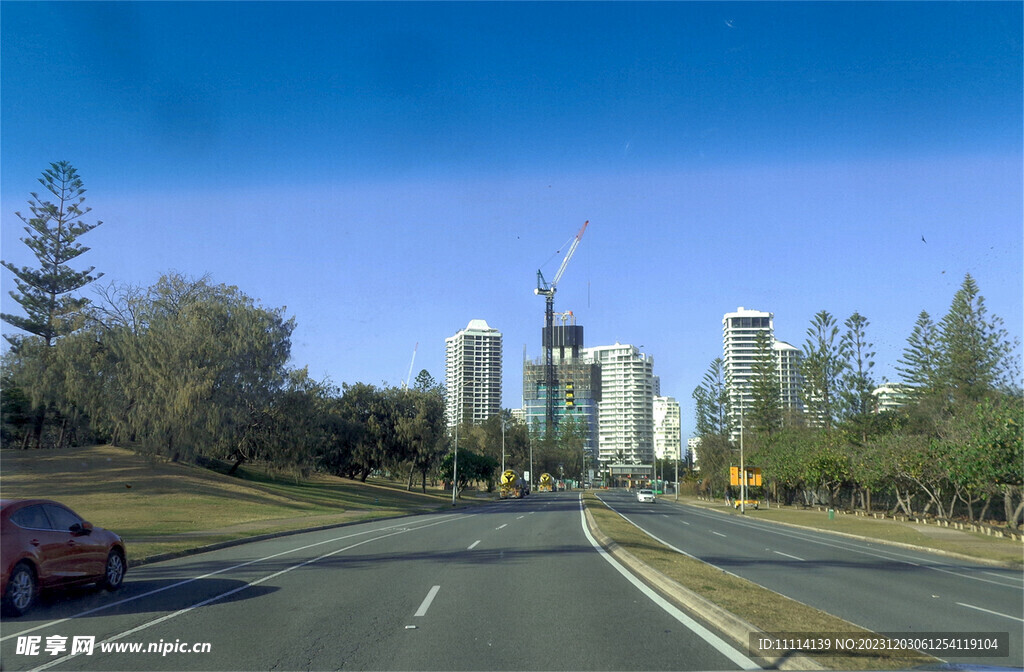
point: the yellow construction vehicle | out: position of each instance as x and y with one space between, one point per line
511 486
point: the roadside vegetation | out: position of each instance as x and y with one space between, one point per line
952 450
764 609
162 507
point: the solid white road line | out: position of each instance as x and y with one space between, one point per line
989 611
422 611
711 638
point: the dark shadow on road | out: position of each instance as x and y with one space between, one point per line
142 596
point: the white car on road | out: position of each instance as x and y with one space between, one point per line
645 495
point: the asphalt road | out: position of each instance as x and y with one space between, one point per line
513 585
876 586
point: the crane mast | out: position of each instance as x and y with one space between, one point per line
547 290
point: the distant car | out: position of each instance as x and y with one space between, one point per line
645 495
44 544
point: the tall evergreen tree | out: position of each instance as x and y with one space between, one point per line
917 367
857 382
44 293
53 229
712 402
765 414
975 349
822 368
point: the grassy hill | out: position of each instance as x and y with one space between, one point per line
161 507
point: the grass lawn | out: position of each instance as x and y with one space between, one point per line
974 544
160 507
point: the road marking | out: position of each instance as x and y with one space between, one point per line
711 638
989 611
250 584
183 582
789 556
422 611
718 533
473 545
684 522
501 526
520 517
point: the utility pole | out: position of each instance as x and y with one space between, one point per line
455 466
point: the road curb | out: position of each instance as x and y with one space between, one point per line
727 623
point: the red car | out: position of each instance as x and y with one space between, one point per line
44 544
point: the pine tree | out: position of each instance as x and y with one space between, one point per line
917 367
822 368
975 349
857 382
44 292
766 409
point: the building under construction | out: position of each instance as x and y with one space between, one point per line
576 383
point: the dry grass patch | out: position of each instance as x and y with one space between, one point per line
159 506
973 544
763 608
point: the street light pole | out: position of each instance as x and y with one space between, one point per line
455 465
743 470
503 442
677 474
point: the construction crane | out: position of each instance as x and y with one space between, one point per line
547 290
405 385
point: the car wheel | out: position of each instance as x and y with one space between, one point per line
113 575
20 592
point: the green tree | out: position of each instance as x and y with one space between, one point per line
205 369
822 367
857 382
45 292
53 230
976 352
917 366
712 402
765 413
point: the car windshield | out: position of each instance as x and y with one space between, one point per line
398 335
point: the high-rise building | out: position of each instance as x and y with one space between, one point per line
739 340
472 367
576 386
626 408
787 360
667 429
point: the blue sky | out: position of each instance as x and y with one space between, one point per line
391 171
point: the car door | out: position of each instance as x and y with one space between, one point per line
49 547
81 557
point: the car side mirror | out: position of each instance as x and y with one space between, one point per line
81 529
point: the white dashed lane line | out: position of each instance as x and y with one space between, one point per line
422 611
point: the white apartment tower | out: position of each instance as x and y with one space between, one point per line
472 374
739 340
626 409
787 360
667 429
